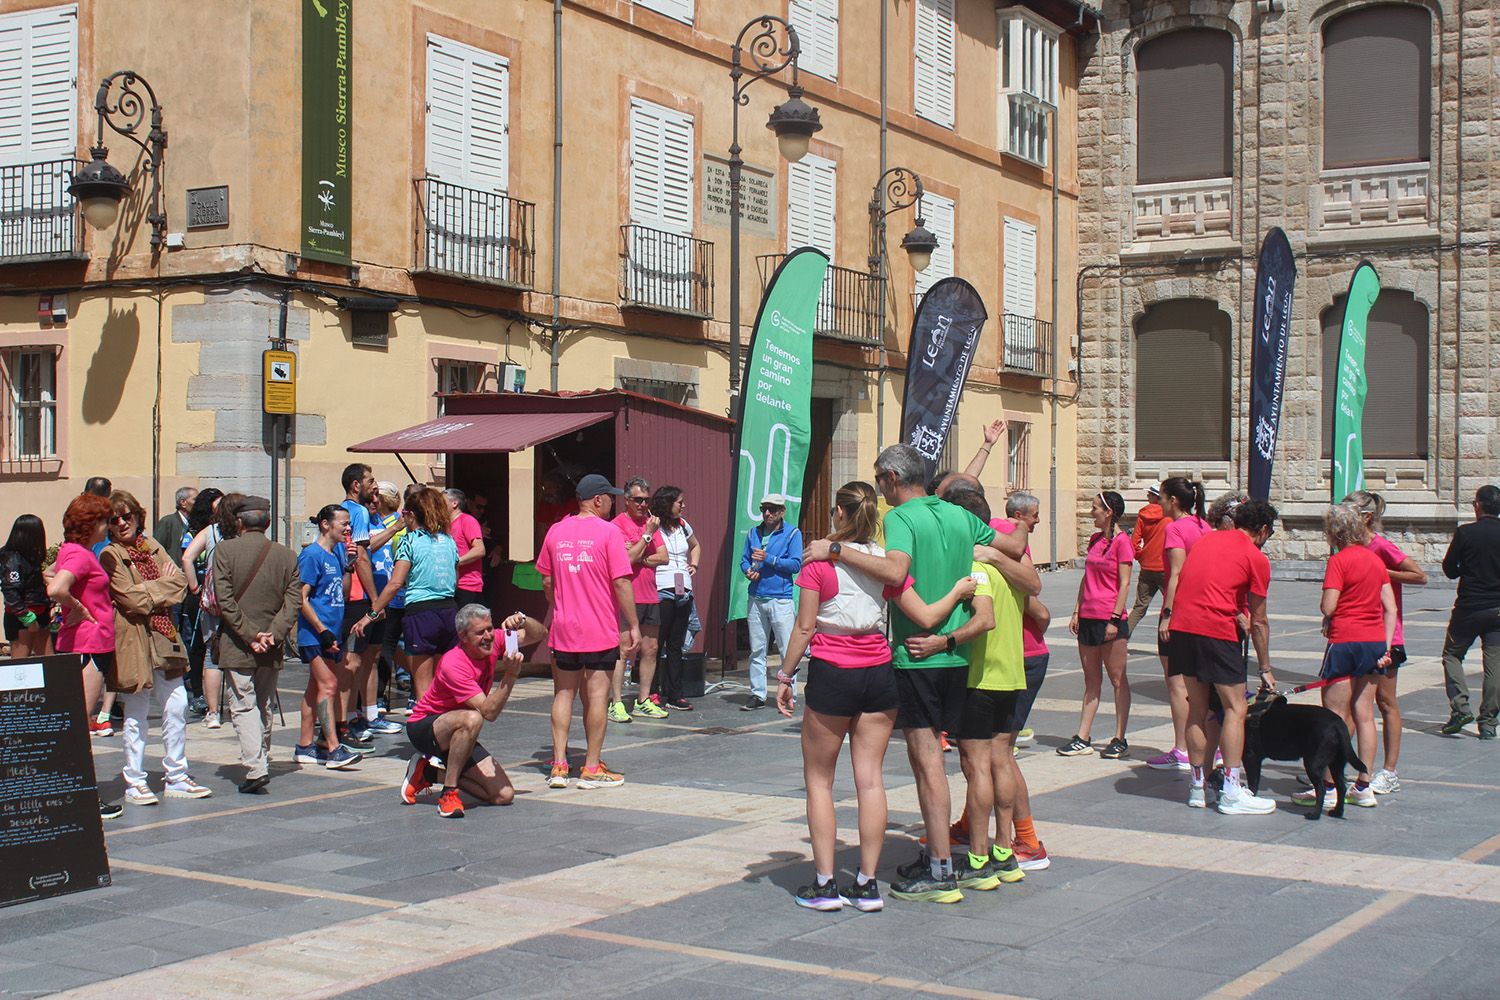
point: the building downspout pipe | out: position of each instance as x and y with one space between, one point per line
1052 474
557 165
883 284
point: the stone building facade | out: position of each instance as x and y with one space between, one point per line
1365 131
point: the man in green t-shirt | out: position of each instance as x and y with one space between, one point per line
932 542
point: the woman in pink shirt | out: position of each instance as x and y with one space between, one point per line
1401 568
1182 504
1099 622
851 690
80 587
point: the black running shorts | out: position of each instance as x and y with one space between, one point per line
987 714
1212 661
421 737
845 692
931 697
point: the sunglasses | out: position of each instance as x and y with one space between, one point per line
637 499
123 519
767 508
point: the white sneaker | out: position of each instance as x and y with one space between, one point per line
1197 797
1240 802
211 720
186 788
1025 738
1385 782
140 795
1364 797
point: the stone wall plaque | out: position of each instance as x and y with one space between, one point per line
758 207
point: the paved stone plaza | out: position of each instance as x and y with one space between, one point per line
678 884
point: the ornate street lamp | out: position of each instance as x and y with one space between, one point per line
793 122
902 190
98 185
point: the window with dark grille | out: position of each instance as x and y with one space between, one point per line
1182 382
31 376
458 376
1377 86
1185 106
1396 358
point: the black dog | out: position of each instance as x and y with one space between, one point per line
1312 734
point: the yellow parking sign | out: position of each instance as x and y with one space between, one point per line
279 381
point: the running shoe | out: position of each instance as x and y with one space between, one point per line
338 758
1362 797
1385 782
923 888
186 788
1236 800
599 777
1031 859
947 747
1175 759
1076 747
971 876
1456 723
308 753
450 806
385 727
416 781
649 709
1197 797
1486 731
680 705
618 712
864 898
1025 738
100 727
111 810
559 776
354 742
211 720
1309 797
919 865
140 795
958 833
1003 860
755 702
825 897
1115 749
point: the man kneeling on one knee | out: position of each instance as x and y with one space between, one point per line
446 720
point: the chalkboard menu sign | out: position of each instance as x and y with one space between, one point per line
51 838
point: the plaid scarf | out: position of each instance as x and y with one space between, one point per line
140 558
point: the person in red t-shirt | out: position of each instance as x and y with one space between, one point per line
1359 619
1146 537
446 720
1224 572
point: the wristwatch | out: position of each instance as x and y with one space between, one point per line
951 644
834 550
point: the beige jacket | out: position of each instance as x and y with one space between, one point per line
134 599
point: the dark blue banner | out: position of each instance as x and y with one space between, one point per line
1275 277
944 336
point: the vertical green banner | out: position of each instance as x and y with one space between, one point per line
775 420
1348 472
327 128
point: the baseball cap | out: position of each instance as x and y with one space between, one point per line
773 500
594 484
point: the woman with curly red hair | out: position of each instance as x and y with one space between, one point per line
80 587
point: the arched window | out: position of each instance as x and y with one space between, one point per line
1185 107
1395 424
1182 382
1377 86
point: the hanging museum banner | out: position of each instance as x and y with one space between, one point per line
774 422
1275 277
1348 472
944 336
327 129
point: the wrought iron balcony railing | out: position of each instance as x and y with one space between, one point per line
848 308
475 235
1028 345
666 272
39 219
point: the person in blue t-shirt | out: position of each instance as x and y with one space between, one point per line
321 567
383 636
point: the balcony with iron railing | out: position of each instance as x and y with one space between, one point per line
39 219
666 272
474 235
848 308
1028 345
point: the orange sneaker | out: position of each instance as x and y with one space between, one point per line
1031 859
599 777
947 747
416 781
450 806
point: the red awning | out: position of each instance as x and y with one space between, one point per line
481 432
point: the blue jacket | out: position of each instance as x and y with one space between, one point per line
783 561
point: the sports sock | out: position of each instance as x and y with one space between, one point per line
1026 832
1197 777
1231 778
1361 785
941 867
861 878
977 860
823 879
1001 854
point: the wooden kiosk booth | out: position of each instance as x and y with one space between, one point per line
523 453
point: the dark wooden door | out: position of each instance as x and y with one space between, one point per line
817 481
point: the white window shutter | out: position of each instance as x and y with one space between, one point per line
38 85
812 199
939 216
817 24
934 57
677 173
489 124
446 83
799 187
468 116
645 164
1020 268
681 10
